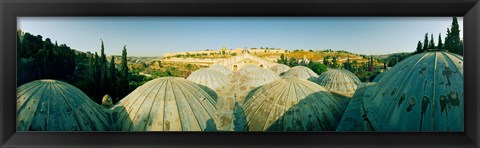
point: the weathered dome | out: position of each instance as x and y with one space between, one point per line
51 105
224 70
300 72
338 80
167 104
258 77
249 68
292 104
279 68
421 93
209 77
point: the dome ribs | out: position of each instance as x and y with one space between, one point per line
146 124
430 82
136 118
57 106
198 102
257 109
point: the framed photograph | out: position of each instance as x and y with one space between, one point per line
231 73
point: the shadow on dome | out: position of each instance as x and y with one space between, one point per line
239 118
209 91
354 117
211 126
251 93
119 121
307 115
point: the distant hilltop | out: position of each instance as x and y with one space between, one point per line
224 50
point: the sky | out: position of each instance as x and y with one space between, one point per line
154 36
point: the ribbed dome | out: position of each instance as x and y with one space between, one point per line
258 77
292 105
209 77
279 68
224 70
338 80
300 72
421 93
51 105
167 104
249 68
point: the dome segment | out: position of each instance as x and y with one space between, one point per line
224 70
209 77
300 72
338 80
292 105
249 68
258 77
167 104
279 68
421 93
51 105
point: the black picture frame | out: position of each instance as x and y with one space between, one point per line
10 10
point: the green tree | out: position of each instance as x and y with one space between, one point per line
440 44
419 47
334 62
317 67
325 61
425 43
292 62
431 45
113 79
456 44
283 59
123 82
103 69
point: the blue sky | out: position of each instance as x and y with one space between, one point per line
153 36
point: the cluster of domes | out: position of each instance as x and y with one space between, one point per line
338 80
300 72
421 93
292 104
51 105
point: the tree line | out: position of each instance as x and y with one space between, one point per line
453 43
92 73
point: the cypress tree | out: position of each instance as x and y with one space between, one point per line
449 41
431 45
113 79
455 35
419 47
123 83
103 69
425 43
440 44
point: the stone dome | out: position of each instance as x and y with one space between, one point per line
292 104
224 70
249 68
258 77
209 77
167 104
279 68
51 105
421 93
300 72
338 80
